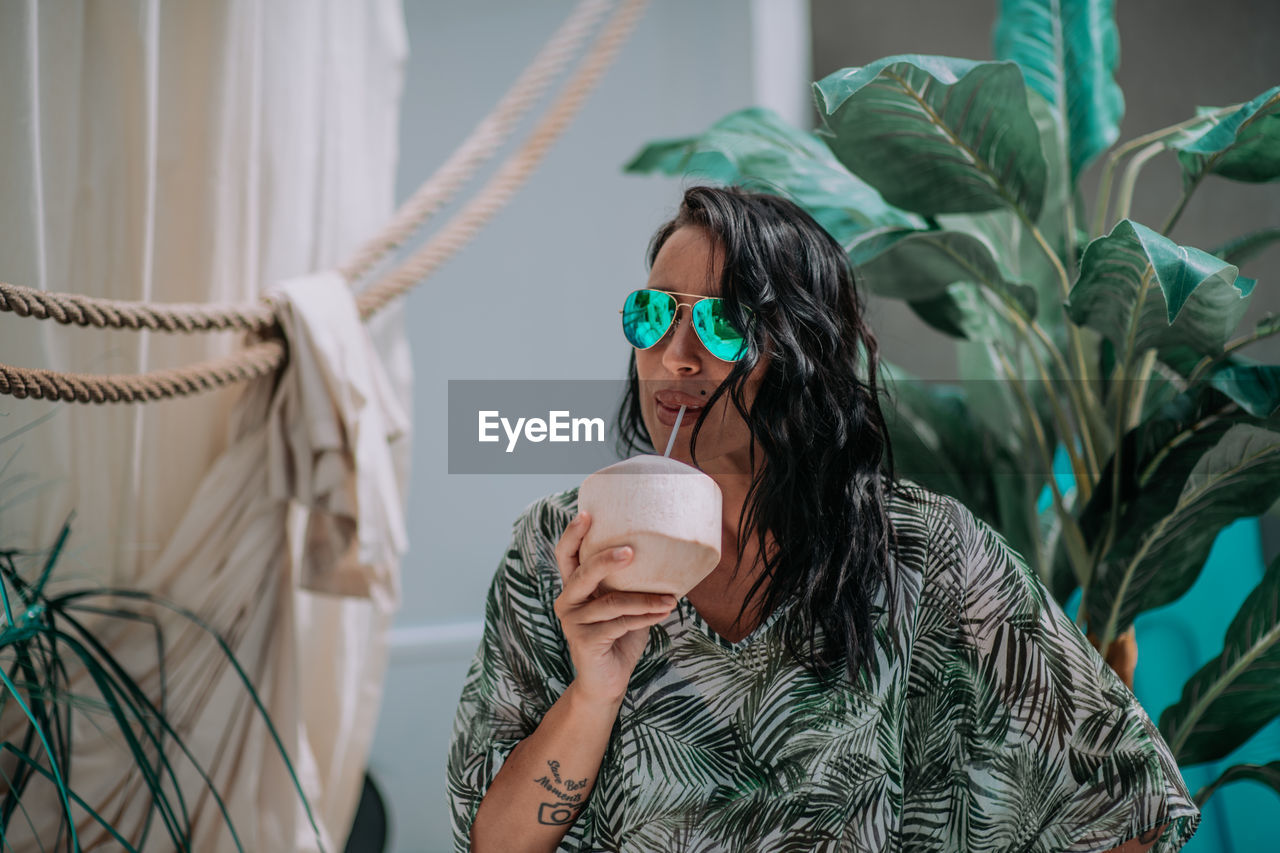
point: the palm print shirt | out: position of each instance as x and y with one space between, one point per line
989 722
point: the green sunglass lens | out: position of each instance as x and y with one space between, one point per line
646 316
718 334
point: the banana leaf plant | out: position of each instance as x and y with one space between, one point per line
44 639
953 186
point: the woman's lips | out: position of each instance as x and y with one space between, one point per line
667 415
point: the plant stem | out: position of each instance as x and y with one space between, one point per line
1209 361
1081 414
1084 475
1074 539
1104 183
1144 476
1069 226
1211 160
1140 388
1125 199
1073 334
1182 205
1082 396
1113 516
1012 312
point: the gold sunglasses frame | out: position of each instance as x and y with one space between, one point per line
675 319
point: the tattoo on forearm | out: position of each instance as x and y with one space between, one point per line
567 791
569 784
558 814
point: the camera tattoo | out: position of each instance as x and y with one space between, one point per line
558 814
570 804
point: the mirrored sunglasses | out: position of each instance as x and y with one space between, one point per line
647 315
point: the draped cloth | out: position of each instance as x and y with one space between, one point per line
214 152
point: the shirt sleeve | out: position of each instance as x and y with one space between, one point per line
1019 736
519 670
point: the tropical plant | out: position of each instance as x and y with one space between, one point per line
953 185
45 637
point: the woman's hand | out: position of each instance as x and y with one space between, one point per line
606 632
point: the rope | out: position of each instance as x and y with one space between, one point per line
257 360
512 174
265 357
487 137
75 309
71 309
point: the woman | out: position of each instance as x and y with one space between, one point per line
869 667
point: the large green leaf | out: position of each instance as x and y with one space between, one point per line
1158 555
1237 693
1158 454
1243 146
1267 774
961 312
1256 387
920 265
1009 240
1155 458
936 134
1180 295
757 147
1068 50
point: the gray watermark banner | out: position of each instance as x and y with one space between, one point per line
533 426
570 426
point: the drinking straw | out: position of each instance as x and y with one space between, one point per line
675 429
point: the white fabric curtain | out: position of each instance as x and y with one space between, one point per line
209 152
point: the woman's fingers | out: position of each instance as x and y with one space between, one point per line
607 633
581 585
570 542
614 605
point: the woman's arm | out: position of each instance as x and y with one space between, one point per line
543 784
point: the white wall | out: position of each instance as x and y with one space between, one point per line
560 257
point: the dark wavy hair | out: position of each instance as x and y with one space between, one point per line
827 471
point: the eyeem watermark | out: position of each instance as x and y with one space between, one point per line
572 426
533 426
559 426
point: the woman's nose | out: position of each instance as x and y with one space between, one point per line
682 349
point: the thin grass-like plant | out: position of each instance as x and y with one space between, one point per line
43 639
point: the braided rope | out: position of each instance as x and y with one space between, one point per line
257 360
74 310
512 174
265 357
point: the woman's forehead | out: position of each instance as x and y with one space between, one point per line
689 261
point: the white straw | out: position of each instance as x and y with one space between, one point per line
675 429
